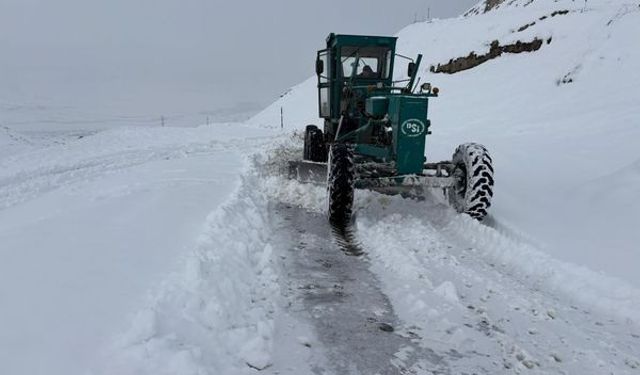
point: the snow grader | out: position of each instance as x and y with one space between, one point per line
375 132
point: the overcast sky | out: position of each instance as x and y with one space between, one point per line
219 52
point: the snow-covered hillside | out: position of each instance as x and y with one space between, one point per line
562 122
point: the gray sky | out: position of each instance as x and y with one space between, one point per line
209 53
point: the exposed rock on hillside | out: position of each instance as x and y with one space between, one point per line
488 5
472 60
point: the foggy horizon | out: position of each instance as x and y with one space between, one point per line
167 57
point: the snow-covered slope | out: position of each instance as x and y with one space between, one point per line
562 122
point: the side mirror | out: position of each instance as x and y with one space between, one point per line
411 70
319 67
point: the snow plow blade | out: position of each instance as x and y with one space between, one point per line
316 173
308 171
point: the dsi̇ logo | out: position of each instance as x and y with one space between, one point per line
412 128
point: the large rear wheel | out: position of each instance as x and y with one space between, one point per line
340 184
474 174
305 151
314 146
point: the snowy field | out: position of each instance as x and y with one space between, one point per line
138 250
89 224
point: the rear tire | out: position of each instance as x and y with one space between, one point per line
473 191
314 146
305 150
340 184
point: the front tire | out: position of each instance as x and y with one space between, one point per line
473 170
340 184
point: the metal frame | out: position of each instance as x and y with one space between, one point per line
380 176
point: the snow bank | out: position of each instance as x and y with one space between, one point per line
390 226
217 316
608 294
464 286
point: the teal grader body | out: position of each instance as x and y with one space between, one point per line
359 102
375 130
408 117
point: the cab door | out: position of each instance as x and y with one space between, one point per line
323 71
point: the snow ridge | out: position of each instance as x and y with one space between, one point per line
217 316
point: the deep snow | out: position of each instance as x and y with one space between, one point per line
162 251
88 226
265 281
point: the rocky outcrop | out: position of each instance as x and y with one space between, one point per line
490 4
485 7
553 14
496 50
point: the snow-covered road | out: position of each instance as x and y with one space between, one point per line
187 251
89 226
329 288
462 297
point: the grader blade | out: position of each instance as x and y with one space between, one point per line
308 171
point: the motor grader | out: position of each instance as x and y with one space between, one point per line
375 130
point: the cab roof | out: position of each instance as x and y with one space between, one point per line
338 40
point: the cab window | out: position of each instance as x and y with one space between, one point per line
364 62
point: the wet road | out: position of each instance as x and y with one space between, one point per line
334 291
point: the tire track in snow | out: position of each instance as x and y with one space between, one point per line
442 275
426 274
42 171
29 184
459 288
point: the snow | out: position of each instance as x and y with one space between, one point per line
89 226
138 250
566 155
216 315
466 288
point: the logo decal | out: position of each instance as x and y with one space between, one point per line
412 128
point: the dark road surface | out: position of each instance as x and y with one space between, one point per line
336 293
